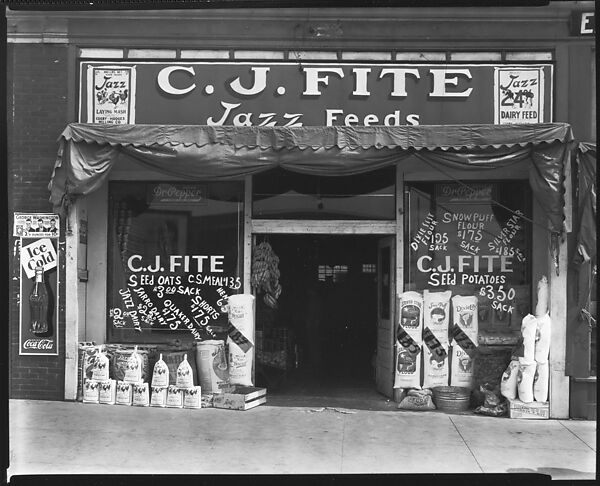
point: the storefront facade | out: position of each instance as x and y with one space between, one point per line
446 167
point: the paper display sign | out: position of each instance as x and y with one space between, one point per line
40 251
36 225
32 342
518 95
112 94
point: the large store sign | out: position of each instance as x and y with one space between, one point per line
303 94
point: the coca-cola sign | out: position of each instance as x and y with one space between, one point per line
46 344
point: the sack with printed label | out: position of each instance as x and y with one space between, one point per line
86 359
160 375
173 359
141 396
540 382
90 391
528 331
417 402
411 313
107 392
241 316
461 368
542 339
211 361
525 378
133 373
465 314
174 397
436 313
124 393
435 369
184 374
408 367
508 382
119 363
158 396
191 397
101 368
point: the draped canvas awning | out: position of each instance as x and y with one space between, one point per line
88 151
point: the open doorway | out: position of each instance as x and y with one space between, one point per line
322 337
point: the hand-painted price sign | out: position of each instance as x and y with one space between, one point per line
407 341
463 341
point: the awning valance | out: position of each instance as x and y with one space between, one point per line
88 151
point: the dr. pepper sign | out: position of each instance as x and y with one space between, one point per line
294 94
38 292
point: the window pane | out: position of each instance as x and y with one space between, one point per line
174 251
470 243
279 194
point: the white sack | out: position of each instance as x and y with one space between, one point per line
525 382
465 314
542 338
211 362
528 331
436 313
411 314
241 315
408 368
461 367
434 373
508 383
540 383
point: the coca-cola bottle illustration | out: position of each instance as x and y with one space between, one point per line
38 303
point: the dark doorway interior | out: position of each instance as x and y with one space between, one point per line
326 317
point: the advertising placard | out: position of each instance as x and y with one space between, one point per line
518 95
294 94
111 92
36 225
38 313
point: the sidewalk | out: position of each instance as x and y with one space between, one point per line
77 438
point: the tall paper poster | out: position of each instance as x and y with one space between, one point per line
111 96
518 95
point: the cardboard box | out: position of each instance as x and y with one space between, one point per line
533 410
207 400
241 398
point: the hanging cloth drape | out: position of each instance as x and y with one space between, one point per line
586 178
87 152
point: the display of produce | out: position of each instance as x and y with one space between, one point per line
265 273
241 316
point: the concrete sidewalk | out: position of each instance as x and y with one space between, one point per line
77 438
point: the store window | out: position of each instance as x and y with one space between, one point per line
472 239
280 194
174 254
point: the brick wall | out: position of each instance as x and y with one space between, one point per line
36 114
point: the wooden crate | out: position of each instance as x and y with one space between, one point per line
240 398
533 410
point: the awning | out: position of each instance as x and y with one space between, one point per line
88 151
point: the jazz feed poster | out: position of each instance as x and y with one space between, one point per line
112 94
